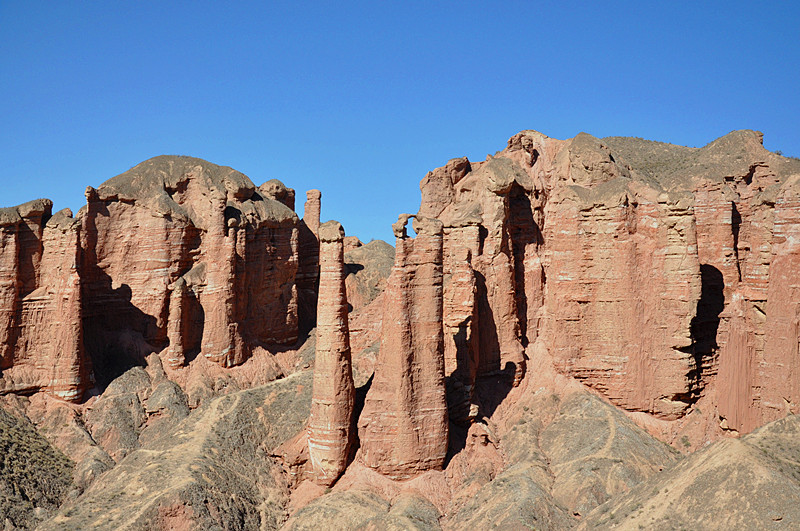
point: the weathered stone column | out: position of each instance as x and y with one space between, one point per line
308 264
403 428
220 330
176 355
330 433
312 209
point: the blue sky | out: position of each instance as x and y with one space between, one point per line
361 99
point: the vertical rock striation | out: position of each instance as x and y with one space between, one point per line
175 253
583 244
403 428
41 302
180 238
330 429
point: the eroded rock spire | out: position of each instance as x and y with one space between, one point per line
403 429
330 434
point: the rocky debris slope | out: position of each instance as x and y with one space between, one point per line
747 483
34 477
211 470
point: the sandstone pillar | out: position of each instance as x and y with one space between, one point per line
312 210
176 354
403 428
220 330
308 265
330 434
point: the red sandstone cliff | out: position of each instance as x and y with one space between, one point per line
661 277
41 310
175 253
655 274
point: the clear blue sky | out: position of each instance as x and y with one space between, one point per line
361 99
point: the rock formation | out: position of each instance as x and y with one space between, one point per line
330 433
177 218
175 253
546 285
308 267
583 244
41 311
403 428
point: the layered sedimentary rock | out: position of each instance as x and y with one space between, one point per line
330 427
175 253
41 333
461 334
477 224
585 244
403 428
308 266
183 224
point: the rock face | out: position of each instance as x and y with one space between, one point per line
176 253
403 428
745 326
583 244
182 230
330 433
41 310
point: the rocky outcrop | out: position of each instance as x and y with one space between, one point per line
41 310
403 428
582 244
176 253
367 266
330 433
182 224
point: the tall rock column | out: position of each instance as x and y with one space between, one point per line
403 428
9 285
308 265
330 433
220 330
311 211
176 355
